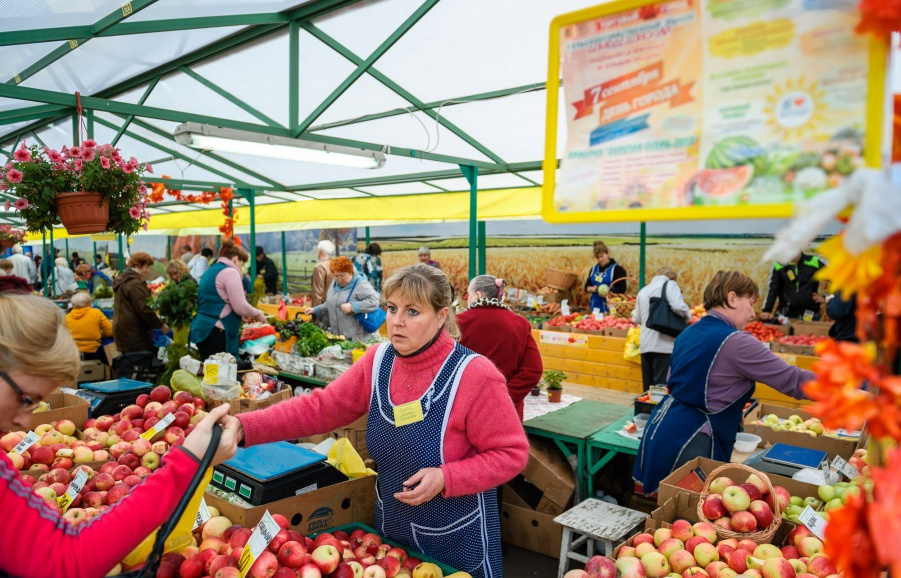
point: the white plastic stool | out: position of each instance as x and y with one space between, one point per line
594 520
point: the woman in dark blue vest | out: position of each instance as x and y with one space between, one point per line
222 304
603 278
713 371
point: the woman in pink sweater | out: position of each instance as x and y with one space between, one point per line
37 356
441 428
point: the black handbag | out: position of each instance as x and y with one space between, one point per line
662 318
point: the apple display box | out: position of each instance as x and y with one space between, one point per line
843 446
63 406
110 397
315 511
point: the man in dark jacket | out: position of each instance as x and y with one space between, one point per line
266 268
794 287
133 319
844 314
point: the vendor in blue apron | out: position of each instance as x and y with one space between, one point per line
222 304
441 427
606 276
713 371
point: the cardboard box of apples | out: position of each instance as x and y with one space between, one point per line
794 426
690 550
360 553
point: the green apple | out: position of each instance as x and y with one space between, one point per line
796 501
812 502
833 504
838 491
817 428
778 427
824 515
772 417
826 493
795 510
852 491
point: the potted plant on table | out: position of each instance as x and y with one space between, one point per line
89 189
553 382
10 236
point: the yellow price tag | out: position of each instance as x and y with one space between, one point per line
158 427
211 372
408 413
64 501
258 541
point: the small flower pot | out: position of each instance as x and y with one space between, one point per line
6 244
83 213
554 395
536 391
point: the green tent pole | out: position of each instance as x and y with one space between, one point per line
483 248
472 174
367 236
284 265
93 258
44 262
68 256
52 265
89 118
641 254
249 195
168 248
121 254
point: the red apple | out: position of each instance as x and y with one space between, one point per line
142 400
121 472
116 493
199 403
161 393
132 480
281 521
265 566
738 560
391 565
173 558
173 434
104 481
309 570
104 422
343 571
277 541
411 563
192 568
216 563
713 507
228 572
182 397
130 459
292 554
790 553
239 538
133 411
761 512
744 522
182 420
327 558
752 490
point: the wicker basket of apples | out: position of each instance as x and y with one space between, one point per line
731 509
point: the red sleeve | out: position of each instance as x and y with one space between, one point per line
36 542
528 373
344 400
485 428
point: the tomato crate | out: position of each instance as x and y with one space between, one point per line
349 528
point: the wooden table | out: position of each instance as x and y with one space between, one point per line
571 427
604 445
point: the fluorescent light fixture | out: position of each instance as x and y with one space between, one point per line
213 138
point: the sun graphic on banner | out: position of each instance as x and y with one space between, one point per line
795 110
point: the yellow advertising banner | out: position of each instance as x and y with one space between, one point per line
692 109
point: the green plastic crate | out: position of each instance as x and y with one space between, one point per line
349 528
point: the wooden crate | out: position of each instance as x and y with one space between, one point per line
244 405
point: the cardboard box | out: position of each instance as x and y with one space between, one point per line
91 370
793 349
843 447
530 530
811 327
614 332
244 405
677 483
73 470
563 328
350 501
111 352
63 406
525 495
558 297
549 471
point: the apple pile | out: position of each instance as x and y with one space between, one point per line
218 545
812 427
763 332
692 551
562 320
60 445
809 339
743 508
589 322
697 312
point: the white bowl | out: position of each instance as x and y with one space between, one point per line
640 421
746 443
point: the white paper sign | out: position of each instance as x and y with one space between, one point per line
530 302
564 307
846 469
29 440
159 427
814 522
203 514
596 313
81 478
258 541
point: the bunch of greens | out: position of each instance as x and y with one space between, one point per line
103 292
176 303
310 338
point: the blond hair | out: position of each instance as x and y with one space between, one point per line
668 271
425 285
81 300
35 339
177 266
6 265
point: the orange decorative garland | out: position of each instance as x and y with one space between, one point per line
225 194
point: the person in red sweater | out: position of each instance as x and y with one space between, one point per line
441 427
35 540
489 328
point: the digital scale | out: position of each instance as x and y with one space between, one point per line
786 460
110 397
270 472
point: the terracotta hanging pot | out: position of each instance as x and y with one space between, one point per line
83 213
554 395
6 244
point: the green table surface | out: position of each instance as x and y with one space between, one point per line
608 437
303 379
579 420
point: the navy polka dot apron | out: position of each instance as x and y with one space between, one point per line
462 532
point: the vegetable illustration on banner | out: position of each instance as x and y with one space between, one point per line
709 106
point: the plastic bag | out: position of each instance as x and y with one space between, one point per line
344 456
331 352
632 350
181 536
185 381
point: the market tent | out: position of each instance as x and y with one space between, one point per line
435 85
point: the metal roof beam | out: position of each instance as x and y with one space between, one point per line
33 112
396 88
131 117
110 19
364 65
229 97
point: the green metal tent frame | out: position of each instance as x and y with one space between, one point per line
53 107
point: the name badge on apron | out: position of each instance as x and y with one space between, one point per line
408 413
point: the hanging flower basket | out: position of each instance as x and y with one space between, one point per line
6 244
10 236
83 213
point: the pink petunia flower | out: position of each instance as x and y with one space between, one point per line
23 155
148 168
87 154
7 205
134 212
127 168
4 186
104 162
89 144
133 162
146 225
21 204
77 165
8 166
14 176
74 152
54 156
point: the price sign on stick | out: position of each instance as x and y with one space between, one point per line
160 426
564 307
814 522
203 514
29 440
258 541
64 501
845 468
